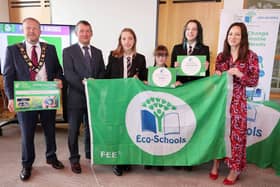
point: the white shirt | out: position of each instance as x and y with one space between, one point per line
42 74
83 50
125 65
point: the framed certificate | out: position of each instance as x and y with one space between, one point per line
162 77
191 65
36 95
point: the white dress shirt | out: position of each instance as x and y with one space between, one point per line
42 74
83 50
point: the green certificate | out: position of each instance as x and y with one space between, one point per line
162 77
191 65
36 95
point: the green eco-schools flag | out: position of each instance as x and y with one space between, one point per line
132 123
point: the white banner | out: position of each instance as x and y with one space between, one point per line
262 26
261 121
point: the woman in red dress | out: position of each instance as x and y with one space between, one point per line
242 64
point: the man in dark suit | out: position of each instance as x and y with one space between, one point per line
33 61
80 61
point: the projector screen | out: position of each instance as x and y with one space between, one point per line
108 18
58 35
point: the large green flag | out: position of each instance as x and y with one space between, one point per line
132 123
263 134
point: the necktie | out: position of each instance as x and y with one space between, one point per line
34 59
129 65
87 56
190 50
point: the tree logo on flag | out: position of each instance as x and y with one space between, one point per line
159 106
159 123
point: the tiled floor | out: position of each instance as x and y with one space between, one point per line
44 175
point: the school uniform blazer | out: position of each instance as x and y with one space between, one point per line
75 70
16 69
199 49
115 67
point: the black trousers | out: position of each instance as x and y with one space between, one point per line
27 122
75 118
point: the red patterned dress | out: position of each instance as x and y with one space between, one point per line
238 108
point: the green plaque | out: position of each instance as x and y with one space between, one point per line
162 77
36 95
191 65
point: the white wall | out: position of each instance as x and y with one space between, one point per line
108 18
233 4
4 11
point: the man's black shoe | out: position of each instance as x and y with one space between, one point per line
55 164
126 167
147 167
25 173
188 168
76 168
160 168
118 170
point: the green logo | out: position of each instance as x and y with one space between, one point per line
159 106
159 123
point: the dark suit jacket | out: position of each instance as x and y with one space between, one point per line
75 70
16 69
115 67
199 49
